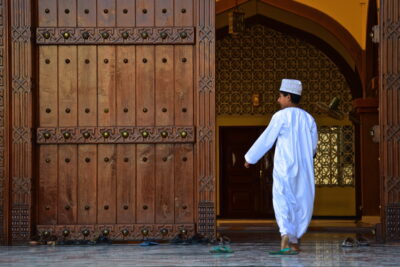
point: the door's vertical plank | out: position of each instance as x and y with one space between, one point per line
183 13
184 184
126 183
164 13
125 13
164 74
67 87
67 184
66 13
183 85
86 13
105 13
126 153
106 181
125 86
144 13
87 184
48 83
106 85
47 201
164 183
145 190
47 13
67 117
87 85
145 85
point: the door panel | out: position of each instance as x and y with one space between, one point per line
116 117
246 193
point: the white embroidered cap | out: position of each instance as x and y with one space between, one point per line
291 86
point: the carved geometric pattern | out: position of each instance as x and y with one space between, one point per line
206 183
391 81
393 222
20 222
391 30
21 185
257 60
21 85
95 35
392 132
206 222
175 134
21 33
206 33
22 135
335 159
115 231
206 84
205 133
392 188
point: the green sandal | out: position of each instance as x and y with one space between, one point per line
221 249
285 251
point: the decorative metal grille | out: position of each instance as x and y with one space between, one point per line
334 163
256 61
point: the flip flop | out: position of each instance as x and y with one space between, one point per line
148 243
362 241
285 251
349 242
221 249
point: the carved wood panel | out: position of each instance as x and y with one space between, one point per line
4 122
117 130
390 117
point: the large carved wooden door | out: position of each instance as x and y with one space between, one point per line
123 88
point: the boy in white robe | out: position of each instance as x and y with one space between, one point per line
295 133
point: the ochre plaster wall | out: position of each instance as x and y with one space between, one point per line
351 14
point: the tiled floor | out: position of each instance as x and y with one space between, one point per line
319 250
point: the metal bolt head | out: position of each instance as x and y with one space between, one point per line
163 35
183 231
145 232
183 134
144 35
46 35
46 135
66 35
106 134
164 134
67 135
46 233
125 134
145 134
86 135
105 35
183 35
106 232
65 232
85 35
125 232
164 231
125 35
85 232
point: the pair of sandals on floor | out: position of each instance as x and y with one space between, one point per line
287 248
355 242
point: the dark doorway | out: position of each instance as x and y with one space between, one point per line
245 193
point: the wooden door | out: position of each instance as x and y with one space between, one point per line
117 122
245 193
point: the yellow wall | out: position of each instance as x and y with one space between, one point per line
351 14
329 201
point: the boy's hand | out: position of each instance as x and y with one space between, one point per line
246 164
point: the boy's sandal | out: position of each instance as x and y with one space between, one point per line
362 241
285 251
349 242
221 249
